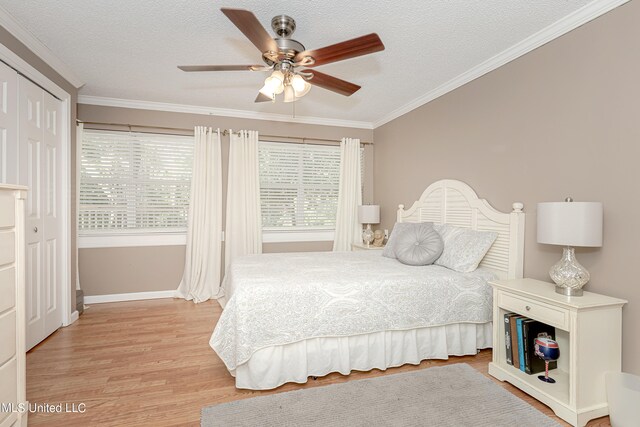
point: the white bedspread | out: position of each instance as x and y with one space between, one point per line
277 299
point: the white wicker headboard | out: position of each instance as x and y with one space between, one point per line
453 202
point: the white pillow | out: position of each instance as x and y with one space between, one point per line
389 250
420 245
464 248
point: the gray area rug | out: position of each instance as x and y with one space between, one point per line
452 395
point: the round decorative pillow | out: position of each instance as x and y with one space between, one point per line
418 245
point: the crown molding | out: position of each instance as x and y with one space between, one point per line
223 112
553 31
38 48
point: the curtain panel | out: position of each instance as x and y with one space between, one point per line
348 229
202 270
243 229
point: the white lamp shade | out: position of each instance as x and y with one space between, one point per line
570 223
289 94
275 82
369 214
300 86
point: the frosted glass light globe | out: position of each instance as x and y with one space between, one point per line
275 82
267 91
289 94
300 85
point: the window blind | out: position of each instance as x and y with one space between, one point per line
299 185
134 182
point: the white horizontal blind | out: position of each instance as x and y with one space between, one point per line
134 182
299 185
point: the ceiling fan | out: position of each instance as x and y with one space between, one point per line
284 56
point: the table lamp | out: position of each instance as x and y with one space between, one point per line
570 224
368 214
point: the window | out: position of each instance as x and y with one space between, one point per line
299 189
134 183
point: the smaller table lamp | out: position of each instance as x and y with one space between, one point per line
570 224
368 214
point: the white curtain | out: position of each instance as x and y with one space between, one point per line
201 278
243 229
348 229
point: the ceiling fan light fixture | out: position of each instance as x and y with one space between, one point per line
275 82
289 94
300 86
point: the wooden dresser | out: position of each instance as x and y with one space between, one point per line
12 307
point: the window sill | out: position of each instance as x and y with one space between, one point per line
297 236
178 239
131 240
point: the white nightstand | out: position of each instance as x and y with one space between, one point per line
588 332
364 247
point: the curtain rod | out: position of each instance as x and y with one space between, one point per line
224 132
133 126
300 138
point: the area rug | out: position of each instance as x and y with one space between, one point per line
453 395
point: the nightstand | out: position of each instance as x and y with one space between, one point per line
588 332
364 247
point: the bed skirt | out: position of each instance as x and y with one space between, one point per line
271 367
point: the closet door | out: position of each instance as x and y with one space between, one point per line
30 167
8 125
52 200
39 169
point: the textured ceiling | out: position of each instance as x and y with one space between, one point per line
130 49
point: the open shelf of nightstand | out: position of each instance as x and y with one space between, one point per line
559 391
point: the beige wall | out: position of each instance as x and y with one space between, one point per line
562 120
121 270
23 52
124 270
147 269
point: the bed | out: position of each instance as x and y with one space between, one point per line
291 316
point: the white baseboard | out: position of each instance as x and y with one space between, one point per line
133 296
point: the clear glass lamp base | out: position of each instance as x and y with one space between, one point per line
568 274
367 235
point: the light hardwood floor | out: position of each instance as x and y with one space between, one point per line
148 363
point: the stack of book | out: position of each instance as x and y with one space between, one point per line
520 333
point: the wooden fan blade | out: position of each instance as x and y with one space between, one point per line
190 68
359 46
334 84
247 22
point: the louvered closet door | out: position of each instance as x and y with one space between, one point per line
8 125
39 148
